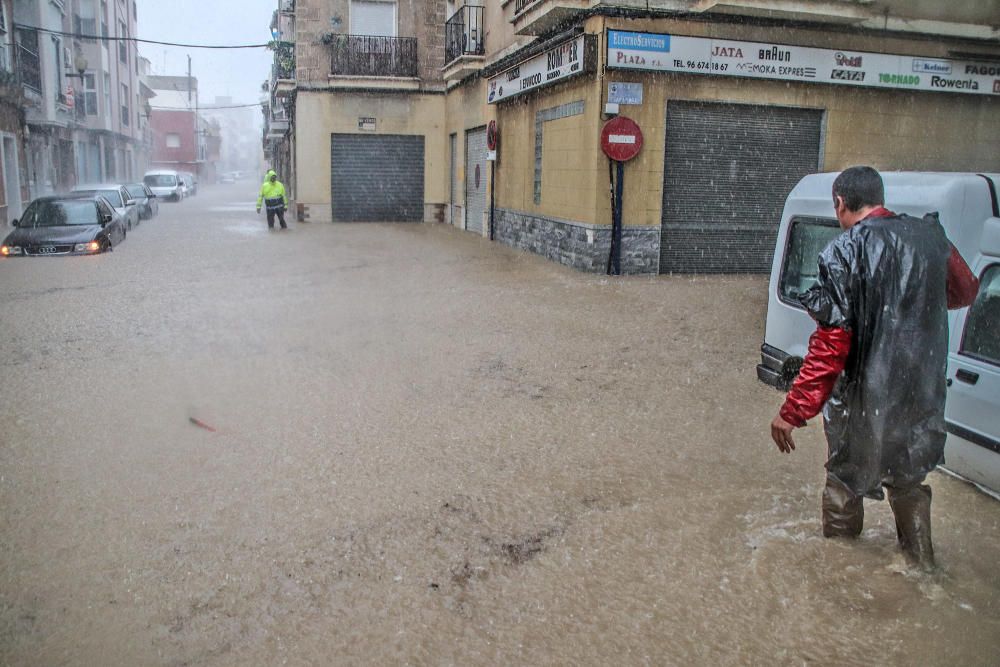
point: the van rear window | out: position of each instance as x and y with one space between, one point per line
806 239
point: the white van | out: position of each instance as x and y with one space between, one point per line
969 211
165 184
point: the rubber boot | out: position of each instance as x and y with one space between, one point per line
912 509
843 511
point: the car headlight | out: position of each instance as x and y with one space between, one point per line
8 250
92 246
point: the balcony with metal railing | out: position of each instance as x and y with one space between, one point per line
534 17
354 58
283 69
464 42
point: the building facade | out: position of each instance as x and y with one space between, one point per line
179 132
79 75
13 184
735 101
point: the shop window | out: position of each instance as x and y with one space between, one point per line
982 326
806 239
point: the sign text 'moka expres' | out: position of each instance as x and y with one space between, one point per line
784 62
559 62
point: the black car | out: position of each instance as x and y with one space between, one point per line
144 199
65 225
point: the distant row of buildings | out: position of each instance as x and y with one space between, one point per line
378 110
78 105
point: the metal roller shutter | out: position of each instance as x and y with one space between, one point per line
475 179
727 171
377 177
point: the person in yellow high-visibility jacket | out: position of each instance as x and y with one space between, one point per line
272 195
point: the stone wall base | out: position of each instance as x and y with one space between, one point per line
581 246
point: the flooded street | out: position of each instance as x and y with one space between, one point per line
424 448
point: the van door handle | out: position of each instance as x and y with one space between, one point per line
967 376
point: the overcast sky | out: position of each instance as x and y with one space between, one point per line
236 73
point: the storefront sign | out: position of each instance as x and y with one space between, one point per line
625 93
698 55
555 64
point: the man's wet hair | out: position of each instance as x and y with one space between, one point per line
860 187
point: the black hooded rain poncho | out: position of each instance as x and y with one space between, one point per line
884 280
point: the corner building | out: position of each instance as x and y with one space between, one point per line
736 102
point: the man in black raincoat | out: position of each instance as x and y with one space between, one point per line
877 361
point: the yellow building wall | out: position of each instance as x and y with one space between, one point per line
888 129
466 109
570 153
321 114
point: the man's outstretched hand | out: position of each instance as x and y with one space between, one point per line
781 432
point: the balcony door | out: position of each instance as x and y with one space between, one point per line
373 18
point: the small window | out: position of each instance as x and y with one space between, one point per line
4 56
126 109
173 140
123 45
800 270
90 94
373 17
982 325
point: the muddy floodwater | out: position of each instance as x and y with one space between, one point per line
431 450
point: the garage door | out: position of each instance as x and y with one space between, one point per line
475 179
377 178
727 171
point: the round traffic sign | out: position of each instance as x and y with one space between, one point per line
491 135
621 139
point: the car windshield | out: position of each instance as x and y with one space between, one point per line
59 214
135 191
160 180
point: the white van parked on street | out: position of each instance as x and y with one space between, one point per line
970 214
165 184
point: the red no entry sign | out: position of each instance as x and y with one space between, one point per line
621 139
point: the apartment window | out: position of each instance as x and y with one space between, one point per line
85 23
123 45
4 36
58 71
126 108
107 96
173 140
89 94
373 17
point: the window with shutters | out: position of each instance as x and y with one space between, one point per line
126 107
373 17
123 45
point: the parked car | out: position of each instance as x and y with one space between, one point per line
119 198
191 182
227 177
65 225
165 184
144 198
970 214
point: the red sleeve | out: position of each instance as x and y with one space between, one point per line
962 283
825 360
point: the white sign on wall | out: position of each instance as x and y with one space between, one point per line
625 93
720 57
560 62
